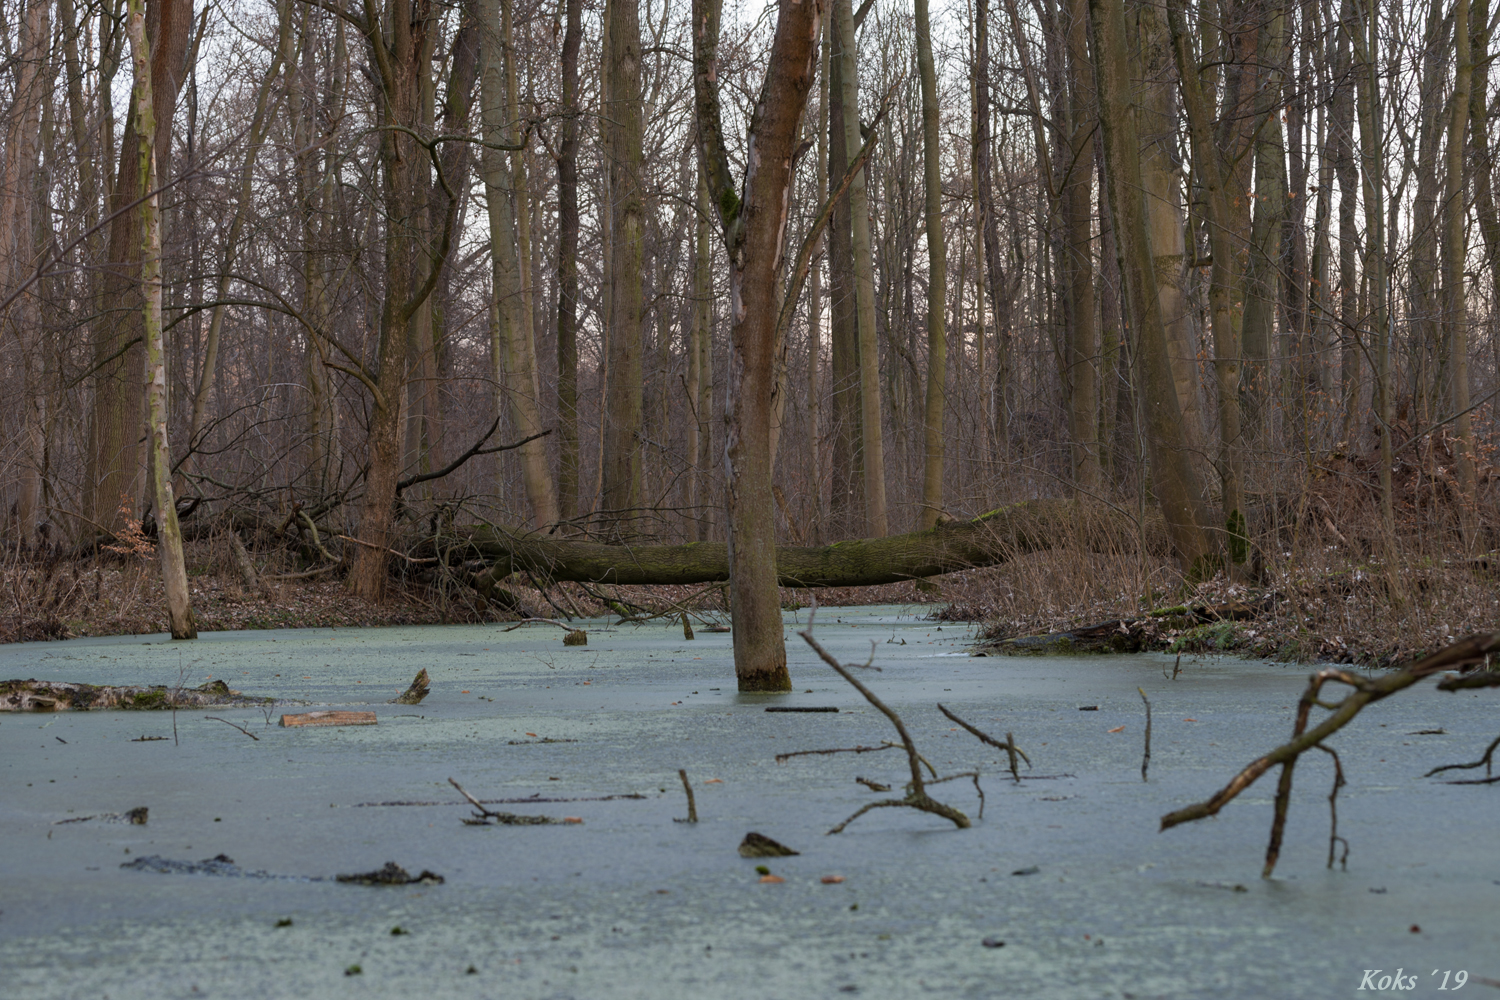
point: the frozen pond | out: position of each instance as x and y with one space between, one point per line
632 904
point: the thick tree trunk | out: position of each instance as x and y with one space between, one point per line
1173 475
754 234
623 393
997 537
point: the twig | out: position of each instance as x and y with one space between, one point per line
692 816
386 548
215 718
1146 755
1486 761
1009 746
1333 810
782 758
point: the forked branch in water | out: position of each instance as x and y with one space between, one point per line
916 792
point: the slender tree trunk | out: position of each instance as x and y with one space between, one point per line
168 534
997 413
937 279
567 269
1077 198
1341 112
1262 279
1175 481
847 506
1372 149
113 478
754 226
1455 254
815 419
17 253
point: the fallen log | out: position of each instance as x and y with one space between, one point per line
58 696
953 545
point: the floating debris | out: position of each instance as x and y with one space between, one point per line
758 845
135 817
391 874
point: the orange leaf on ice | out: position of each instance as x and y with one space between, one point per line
772 879
1118 729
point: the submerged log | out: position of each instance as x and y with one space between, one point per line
58 696
988 540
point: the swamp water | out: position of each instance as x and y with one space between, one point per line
633 904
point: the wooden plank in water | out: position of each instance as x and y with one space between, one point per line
329 719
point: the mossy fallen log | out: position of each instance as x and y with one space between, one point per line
60 696
1201 628
993 538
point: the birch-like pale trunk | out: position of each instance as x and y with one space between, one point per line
168 534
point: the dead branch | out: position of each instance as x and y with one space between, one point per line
1364 691
782 758
1486 761
483 816
1009 746
692 816
215 718
916 793
1146 755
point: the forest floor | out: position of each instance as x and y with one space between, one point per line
1325 605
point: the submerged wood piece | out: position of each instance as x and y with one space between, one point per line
418 690
58 696
329 719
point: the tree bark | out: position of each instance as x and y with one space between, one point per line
950 546
1083 350
168 534
872 442
567 269
754 225
624 129
847 499
1455 253
113 479
937 279
1176 483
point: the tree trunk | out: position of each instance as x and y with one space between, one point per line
1455 253
872 444
1263 277
950 546
168 534
623 393
847 498
397 46
996 413
567 269
113 480
1175 481
1212 175
937 279
1083 351
754 225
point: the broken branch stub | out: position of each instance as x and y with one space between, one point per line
414 694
